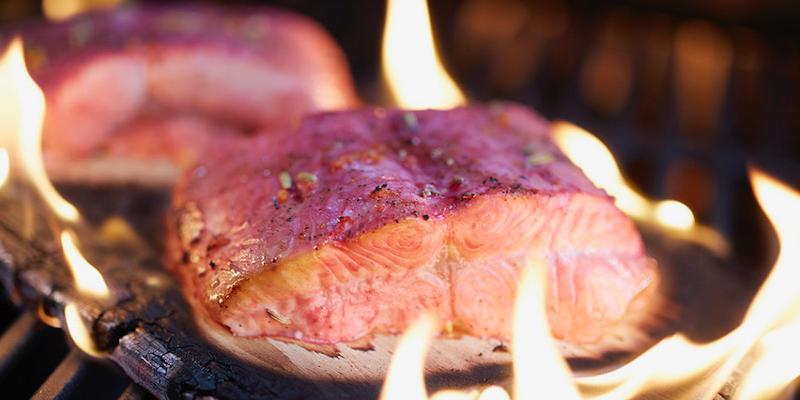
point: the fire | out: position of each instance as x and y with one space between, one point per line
770 326
699 370
87 278
778 297
776 305
5 164
539 369
595 159
78 332
775 366
57 10
22 94
23 106
404 379
674 214
599 165
411 67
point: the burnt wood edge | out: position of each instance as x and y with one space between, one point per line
148 330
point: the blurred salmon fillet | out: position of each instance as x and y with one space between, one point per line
148 90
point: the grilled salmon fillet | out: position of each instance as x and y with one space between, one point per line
356 222
139 87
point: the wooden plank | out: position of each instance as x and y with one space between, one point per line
150 331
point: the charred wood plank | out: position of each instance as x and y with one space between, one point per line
149 330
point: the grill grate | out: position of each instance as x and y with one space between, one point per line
35 362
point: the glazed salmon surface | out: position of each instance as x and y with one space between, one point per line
356 222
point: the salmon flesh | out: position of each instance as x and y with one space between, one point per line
355 222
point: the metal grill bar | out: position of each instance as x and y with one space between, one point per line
32 364
78 376
64 380
16 340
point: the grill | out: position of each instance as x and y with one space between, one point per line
35 362
684 95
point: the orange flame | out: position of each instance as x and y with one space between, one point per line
595 159
677 359
23 105
775 365
539 368
771 324
77 330
404 380
411 67
5 165
22 94
58 10
88 279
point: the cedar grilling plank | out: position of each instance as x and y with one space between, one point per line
356 222
181 72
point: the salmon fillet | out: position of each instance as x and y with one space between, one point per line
356 222
182 71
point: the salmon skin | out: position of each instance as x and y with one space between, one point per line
151 83
356 222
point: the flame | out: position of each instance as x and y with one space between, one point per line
456 395
404 380
539 368
78 332
87 278
58 10
776 304
775 365
4 166
771 326
493 393
21 93
411 67
45 316
595 159
674 214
